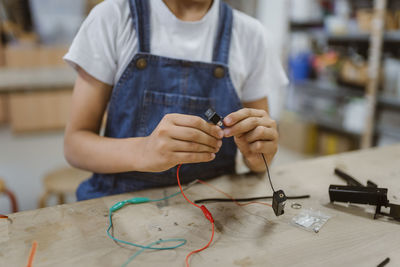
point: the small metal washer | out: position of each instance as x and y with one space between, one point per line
296 206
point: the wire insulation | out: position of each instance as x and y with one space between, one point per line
201 249
151 245
213 200
231 198
32 254
180 187
207 214
269 176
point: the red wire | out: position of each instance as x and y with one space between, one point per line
206 213
229 196
180 187
32 254
203 248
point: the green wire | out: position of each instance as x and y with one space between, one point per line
151 245
168 197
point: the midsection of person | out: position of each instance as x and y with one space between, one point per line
155 108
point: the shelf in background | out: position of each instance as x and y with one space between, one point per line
328 124
321 89
389 130
327 89
36 79
335 127
362 37
387 102
317 88
304 26
391 40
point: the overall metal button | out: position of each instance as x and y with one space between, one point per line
141 63
219 72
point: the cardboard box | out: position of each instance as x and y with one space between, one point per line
365 17
39 111
297 134
34 56
354 73
329 143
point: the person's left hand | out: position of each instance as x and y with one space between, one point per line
254 133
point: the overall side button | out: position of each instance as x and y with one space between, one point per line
219 72
141 63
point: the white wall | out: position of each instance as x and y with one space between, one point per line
24 160
274 14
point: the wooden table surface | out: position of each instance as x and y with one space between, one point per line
75 234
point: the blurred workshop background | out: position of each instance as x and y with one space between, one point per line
342 57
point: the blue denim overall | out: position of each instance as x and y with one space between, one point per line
152 86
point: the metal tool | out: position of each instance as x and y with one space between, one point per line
356 193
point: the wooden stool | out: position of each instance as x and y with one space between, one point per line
61 182
11 196
2 185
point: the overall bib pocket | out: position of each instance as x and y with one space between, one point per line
157 104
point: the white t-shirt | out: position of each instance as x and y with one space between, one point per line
107 42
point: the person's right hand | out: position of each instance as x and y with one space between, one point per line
180 139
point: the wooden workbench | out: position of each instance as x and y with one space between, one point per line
75 234
36 79
36 99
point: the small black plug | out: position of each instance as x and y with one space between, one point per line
278 202
213 117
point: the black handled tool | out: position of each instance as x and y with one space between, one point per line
356 193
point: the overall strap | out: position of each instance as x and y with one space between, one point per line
224 31
141 20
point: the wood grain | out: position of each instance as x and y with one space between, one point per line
74 234
34 56
39 111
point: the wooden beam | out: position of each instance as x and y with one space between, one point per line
374 63
2 60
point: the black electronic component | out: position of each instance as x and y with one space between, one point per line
214 117
349 179
356 193
278 202
278 197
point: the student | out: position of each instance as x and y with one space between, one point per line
156 66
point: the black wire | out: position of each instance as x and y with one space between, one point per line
210 200
269 176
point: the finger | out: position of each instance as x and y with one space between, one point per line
243 145
261 133
267 147
242 114
246 125
189 157
197 123
194 135
184 146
